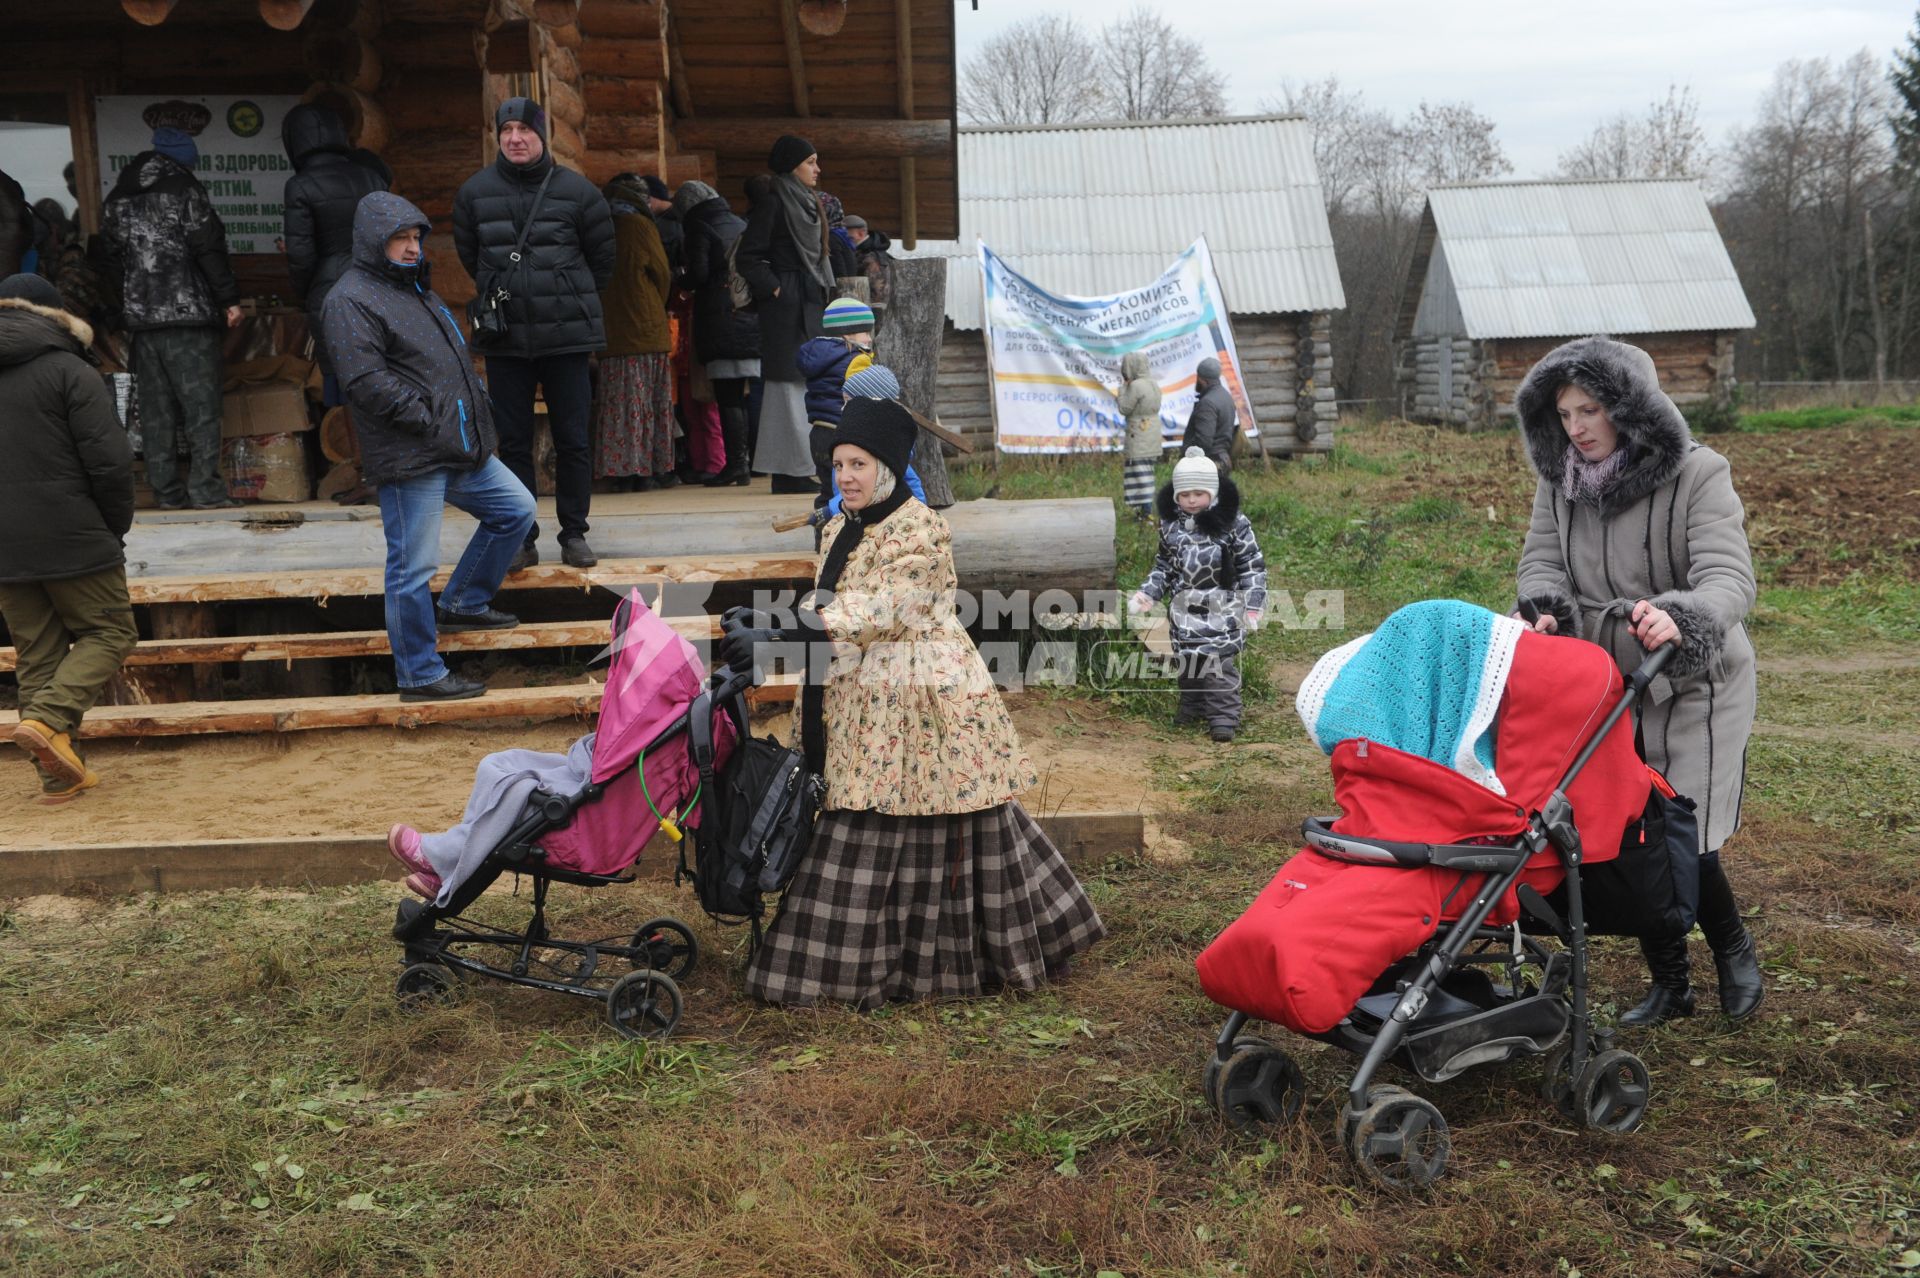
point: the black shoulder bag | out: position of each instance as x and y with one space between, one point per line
757 821
487 312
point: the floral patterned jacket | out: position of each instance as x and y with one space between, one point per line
914 724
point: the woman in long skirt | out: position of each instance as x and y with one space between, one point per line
633 409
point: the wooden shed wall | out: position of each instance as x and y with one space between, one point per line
1486 375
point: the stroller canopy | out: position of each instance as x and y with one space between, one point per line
654 675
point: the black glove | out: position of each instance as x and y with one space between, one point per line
741 617
737 645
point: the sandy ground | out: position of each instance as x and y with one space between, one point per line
360 781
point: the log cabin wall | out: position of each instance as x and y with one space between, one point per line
1284 392
622 81
1485 376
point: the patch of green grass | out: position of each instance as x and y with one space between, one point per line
1826 418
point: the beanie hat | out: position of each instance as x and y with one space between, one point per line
525 110
36 289
875 381
847 315
1208 370
883 427
1196 472
177 145
787 153
656 189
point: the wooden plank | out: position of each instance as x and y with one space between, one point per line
529 636
838 138
1086 839
796 64
611 574
677 73
385 710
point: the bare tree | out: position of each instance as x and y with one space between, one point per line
1347 137
1452 142
1149 71
1667 141
1037 71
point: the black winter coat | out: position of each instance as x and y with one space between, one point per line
769 259
1212 425
328 180
66 491
555 306
673 237
719 331
171 247
417 404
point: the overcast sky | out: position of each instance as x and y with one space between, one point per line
1546 72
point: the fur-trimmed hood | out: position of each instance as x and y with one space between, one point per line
1623 379
1215 521
28 329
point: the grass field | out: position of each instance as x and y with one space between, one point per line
221 1083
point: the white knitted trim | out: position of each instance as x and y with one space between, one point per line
1312 696
1486 702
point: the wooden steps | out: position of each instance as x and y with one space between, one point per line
526 637
323 584
303 714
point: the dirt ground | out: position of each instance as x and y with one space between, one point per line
361 781
1818 499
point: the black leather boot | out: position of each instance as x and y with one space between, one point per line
1672 992
1734 955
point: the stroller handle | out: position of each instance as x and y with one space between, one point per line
1649 669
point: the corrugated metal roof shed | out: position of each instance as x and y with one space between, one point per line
1556 258
1094 209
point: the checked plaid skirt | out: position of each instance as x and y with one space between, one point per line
891 908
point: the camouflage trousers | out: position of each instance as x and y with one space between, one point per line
177 373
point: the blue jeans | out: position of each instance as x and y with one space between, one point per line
411 511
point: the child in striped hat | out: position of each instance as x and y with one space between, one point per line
843 349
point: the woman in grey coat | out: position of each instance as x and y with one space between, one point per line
1638 539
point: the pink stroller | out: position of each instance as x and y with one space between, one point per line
592 837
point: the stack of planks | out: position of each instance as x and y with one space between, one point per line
173 680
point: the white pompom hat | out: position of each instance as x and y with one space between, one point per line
1196 472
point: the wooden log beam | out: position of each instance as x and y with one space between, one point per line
1085 839
564 102
622 97
148 13
836 138
600 167
344 56
622 17
643 59
284 15
903 75
556 13
677 74
611 574
531 636
609 132
366 122
796 65
692 166
86 152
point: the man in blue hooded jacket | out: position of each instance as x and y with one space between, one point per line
426 435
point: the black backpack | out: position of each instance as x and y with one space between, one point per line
756 820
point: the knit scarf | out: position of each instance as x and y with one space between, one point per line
800 210
1587 482
813 727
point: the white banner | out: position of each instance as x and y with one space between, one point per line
1055 360
242 163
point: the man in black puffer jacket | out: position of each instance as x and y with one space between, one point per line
179 292
66 502
553 313
328 180
426 439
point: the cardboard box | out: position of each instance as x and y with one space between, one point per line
266 467
264 408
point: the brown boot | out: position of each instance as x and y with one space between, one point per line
53 751
54 793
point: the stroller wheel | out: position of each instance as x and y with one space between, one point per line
1613 1092
1210 1072
1258 1086
1557 1084
1398 1141
665 945
644 1004
424 984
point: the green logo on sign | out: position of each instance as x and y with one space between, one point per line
245 119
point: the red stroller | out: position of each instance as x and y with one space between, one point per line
1396 934
591 837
